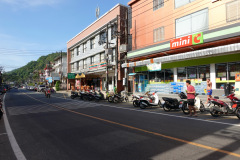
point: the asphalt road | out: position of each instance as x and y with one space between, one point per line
63 129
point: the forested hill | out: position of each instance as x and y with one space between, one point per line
21 75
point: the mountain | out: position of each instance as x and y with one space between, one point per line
22 75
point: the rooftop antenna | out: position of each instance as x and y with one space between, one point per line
97 12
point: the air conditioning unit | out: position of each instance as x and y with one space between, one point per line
123 48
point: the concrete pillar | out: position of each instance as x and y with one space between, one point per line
213 75
175 74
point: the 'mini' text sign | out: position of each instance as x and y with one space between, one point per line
187 41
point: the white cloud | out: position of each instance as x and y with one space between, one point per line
30 3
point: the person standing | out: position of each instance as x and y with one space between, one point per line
209 89
190 97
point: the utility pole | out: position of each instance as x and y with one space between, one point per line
116 56
125 58
107 60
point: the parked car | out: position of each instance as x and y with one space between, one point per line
41 88
31 88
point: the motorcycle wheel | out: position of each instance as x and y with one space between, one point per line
142 106
166 108
126 99
85 98
214 113
135 103
238 112
202 107
160 104
185 108
110 99
72 97
115 100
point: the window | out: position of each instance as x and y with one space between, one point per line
78 64
158 34
157 4
234 68
92 60
102 57
78 50
233 10
84 63
72 67
181 74
72 54
179 3
103 37
113 31
193 23
84 47
92 43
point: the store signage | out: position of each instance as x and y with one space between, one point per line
237 77
189 40
154 67
97 65
80 76
56 78
71 75
50 79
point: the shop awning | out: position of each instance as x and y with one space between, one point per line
132 74
188 55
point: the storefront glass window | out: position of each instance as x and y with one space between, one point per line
234 67
152 76
159 76
191 72
204 72
168 75
181 74
221 71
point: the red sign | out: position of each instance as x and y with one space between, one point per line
187 41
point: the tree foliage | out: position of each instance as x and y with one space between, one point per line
21 75
57 86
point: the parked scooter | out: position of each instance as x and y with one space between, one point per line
221 108
74 95
47 93
198 104
152 100
118 98
136 99
174 103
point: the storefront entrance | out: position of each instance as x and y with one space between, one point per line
141 81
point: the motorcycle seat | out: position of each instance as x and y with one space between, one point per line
216 97
170 99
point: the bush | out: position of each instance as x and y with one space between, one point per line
57 86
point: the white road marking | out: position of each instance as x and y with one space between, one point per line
170 115
2 134
16 149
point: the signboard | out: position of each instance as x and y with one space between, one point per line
237 77
71 75
97 65
189 40
50 79
154 67
56 78
80 76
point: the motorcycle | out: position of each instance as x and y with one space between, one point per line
118 98
136 99
48 93
198 104
221 108
174 103
74 95
152 100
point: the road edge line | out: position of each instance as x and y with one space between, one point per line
15 147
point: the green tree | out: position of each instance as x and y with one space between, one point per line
57 86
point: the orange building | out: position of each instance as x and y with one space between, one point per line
175 40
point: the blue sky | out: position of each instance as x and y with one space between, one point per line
32 28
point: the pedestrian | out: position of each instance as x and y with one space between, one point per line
209 90
190 98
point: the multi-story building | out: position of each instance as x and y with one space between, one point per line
183 39
87 63
59 69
